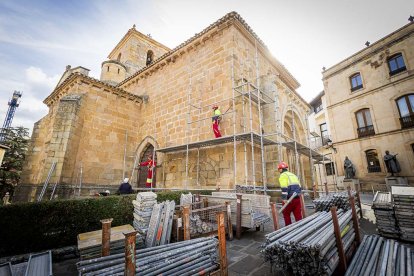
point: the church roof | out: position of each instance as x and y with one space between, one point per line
76 75
132 32
286 76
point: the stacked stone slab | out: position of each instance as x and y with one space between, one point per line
403 198
143 206
384 214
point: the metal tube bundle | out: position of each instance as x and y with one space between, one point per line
309 246
182 258
380 256
340 200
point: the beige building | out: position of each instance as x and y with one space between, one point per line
152 97
325 171
370 106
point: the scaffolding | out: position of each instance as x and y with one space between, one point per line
249 94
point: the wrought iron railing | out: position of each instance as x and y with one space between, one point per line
374 169
407 121
365 131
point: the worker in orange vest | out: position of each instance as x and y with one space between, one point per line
151 165
216 121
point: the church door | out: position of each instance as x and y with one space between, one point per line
143 172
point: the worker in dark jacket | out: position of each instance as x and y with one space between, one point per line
125 187
289 183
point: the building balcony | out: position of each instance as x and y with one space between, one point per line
374 169
365 131
319 142
407 121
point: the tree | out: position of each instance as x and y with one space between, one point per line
17 139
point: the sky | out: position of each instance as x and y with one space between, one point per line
38 38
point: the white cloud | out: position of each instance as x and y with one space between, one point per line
37 76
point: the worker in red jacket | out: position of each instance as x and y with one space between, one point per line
216 121
151 166
289 183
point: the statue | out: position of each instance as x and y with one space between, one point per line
349 168
393 166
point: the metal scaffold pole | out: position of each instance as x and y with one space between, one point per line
188 128
251 137
259 105
234 122
310 151
296 146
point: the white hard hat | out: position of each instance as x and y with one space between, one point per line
107 191
126 179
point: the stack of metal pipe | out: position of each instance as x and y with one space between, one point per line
379 256
309 246
340 200
182 258
384 214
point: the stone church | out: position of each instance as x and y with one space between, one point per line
152 100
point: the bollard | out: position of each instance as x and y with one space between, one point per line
339 244
222 243
130 242
229 223
275 216
355 220
238 216
106 237
186 222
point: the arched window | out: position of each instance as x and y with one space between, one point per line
396 64
119 57
365 127
406 109
372 161
150 57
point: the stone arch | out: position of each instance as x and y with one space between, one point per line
149 140
298 121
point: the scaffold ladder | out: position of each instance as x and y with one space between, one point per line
42 193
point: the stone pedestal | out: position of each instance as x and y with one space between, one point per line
395 181
353 183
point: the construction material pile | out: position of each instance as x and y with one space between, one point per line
143 206
90 243
379 256
339 199
199 226
181 258
384 214
186 199
308 247
160 225
249 188
403 198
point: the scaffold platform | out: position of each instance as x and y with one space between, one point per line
218 141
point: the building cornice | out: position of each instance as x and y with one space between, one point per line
380 45
377 135
76 77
